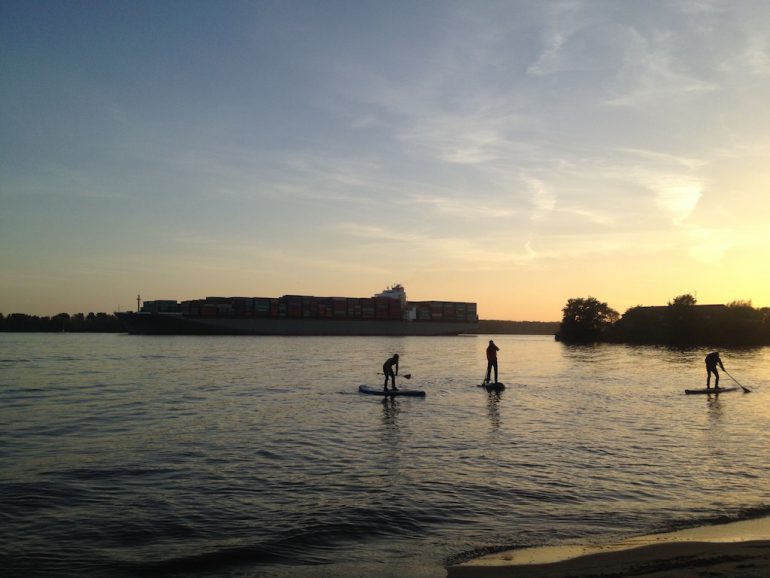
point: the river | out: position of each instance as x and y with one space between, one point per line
256 456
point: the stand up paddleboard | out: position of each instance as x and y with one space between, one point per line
710 390
498 386
369 390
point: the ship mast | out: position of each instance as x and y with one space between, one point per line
138 299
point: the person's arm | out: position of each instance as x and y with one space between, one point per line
396 367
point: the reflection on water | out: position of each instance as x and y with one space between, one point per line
493 409
714 407
390 411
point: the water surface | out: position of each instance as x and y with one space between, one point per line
256 456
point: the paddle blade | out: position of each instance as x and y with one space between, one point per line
407 376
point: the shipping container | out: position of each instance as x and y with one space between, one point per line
354 308
161 306
340 307
215 300
262 307
395 311
436 310
310 307
423 311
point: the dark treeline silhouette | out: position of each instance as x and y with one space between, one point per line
680 323
497 327
78 323
105 323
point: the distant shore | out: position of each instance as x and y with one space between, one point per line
500 327
108 323
738 549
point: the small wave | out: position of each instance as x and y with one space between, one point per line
740 515
310 544
94 474
208 561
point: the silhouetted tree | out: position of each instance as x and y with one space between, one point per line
493 326
60 321
742 324
685 300
683 322
639 325
585 320
21 322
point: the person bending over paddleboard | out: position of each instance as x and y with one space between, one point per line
712 360
387 369
492 350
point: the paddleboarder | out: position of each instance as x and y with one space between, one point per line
387 369
492 350
712 361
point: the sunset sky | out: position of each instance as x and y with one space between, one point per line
513 153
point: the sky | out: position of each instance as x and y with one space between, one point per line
515 154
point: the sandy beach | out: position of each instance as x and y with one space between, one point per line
739 549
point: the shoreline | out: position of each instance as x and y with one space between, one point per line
736 549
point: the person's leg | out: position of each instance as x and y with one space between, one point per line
489 371
495 366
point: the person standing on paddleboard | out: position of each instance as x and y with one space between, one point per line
712 360
387 369
492 350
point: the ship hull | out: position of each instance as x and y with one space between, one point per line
179 324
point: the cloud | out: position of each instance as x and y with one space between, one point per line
376 233
651 73
444 252
756 56
463 206
679 200
566 40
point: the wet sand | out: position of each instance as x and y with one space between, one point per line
736 550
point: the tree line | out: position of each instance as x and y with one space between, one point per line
682 322
106 323
77 323
499 327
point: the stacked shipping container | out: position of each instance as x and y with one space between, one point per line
308 307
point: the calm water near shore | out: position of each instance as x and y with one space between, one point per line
241 456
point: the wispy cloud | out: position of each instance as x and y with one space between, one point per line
679 199
463 206
566 38
650 72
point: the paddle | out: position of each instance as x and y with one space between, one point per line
745 389
405 375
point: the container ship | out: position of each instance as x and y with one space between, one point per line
386 313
